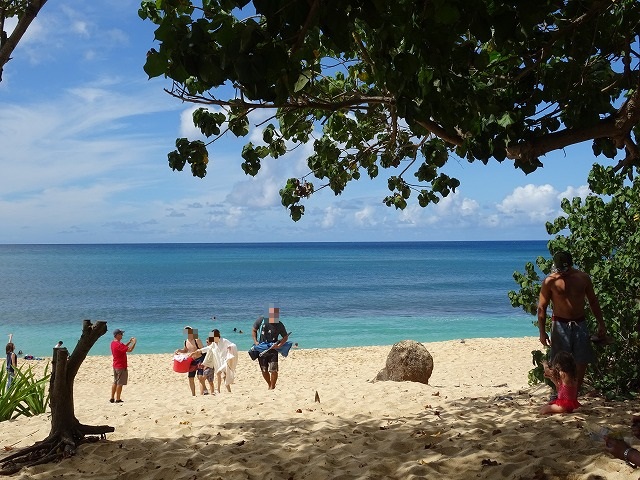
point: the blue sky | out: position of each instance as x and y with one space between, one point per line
84 137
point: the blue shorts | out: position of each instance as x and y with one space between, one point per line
572 337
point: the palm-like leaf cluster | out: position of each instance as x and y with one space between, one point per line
28 395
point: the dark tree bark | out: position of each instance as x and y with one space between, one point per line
66 431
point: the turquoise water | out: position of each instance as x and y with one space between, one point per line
330 294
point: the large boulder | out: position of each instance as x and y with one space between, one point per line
407 361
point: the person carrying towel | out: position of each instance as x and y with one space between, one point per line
269 331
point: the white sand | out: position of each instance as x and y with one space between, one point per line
477 418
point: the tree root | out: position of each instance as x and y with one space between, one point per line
53 448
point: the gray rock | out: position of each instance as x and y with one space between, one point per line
408 360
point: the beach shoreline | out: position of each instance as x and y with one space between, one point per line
477 418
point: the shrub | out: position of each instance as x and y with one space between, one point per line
604 240
27 395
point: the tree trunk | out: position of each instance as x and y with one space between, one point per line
66 431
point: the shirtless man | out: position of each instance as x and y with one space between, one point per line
566 288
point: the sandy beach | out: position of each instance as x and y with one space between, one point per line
477 418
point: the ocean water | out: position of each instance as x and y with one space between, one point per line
330 294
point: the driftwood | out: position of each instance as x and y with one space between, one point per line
67 433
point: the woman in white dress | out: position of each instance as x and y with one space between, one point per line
222 356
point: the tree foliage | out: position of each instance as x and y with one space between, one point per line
401 85
25 11
604 239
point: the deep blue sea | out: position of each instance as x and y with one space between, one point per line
330 294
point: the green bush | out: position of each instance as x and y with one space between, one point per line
27 395
604 240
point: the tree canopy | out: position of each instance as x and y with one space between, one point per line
25 11
402 85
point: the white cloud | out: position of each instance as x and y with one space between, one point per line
76 136
173 213
468 207
117 36
55 209
329 216
452 210
455 204
75 20
414 215
74 162
534 203
492 220
366 217
582 191
90 93
260 191
234 217
80 27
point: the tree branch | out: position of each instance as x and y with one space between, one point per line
8 46
310 17
438 131
616 127
90 334
351 102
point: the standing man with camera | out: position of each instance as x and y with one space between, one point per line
119 351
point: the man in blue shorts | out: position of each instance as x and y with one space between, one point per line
269 331
566 289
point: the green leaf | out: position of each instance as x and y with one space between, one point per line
506 120
302 81
447 13
156 64
251 164
208 122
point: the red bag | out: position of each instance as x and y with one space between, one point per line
181 363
